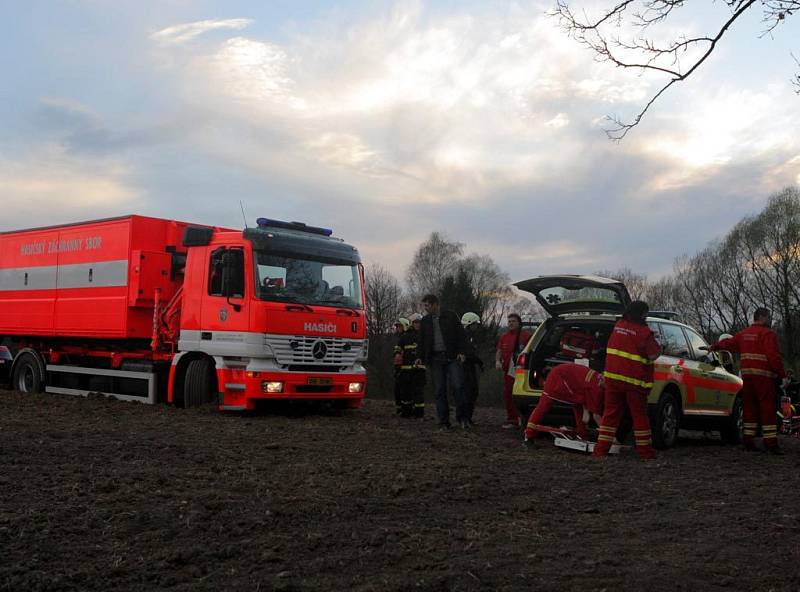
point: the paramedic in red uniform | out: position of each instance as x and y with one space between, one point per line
628 376
573 384
761 365
508 347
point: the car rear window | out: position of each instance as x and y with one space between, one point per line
562 295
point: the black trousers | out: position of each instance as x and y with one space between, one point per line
411 383
471 377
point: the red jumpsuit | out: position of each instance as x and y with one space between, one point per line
761 365
628 379
506 346
573 384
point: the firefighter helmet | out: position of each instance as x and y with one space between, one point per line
725 336
470 318
403 322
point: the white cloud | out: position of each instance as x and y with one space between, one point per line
179 34
63 185
446 106
558 121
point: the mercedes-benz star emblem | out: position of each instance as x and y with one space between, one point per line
319 350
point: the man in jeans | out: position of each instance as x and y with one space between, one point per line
443 351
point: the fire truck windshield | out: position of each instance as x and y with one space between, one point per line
283 278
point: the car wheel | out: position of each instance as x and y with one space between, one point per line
27 374
665 421
198 387
731 431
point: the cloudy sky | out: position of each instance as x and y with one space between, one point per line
386 121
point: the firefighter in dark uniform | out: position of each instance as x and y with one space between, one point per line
628 375
411 377
760 365
397 360
473 365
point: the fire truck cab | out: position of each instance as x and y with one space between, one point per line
277 310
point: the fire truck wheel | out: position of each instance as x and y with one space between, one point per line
731 430
27 375
665 421
199 383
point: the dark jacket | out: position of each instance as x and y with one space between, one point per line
452 332
472 350
408 347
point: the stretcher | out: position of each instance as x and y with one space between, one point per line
567 439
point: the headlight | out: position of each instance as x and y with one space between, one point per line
272 386
356 387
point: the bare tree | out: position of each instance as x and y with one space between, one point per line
625 35
772 247
384 297
434 260
490 284
665 294
636 283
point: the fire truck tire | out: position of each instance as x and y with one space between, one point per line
731 430
198 387
665 421
28 374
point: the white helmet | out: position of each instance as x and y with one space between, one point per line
404 322
470 318
725 336
414 317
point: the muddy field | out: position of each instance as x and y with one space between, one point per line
104 495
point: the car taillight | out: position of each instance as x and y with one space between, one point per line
522 360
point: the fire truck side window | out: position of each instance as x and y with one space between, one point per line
215 273
234 259
235 262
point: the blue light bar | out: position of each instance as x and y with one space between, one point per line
300 226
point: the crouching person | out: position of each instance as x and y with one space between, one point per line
572 384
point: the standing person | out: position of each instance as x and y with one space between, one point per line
443 352
573 384
508 348
760 365
473 366
628 376
399 327
411 376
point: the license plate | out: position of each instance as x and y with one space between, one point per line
319 380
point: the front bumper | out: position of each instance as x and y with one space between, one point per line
240 389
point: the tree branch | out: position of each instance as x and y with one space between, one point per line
646 55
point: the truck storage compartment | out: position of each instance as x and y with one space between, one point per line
94 279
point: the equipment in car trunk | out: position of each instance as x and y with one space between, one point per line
577 343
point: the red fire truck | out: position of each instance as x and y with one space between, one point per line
157 310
